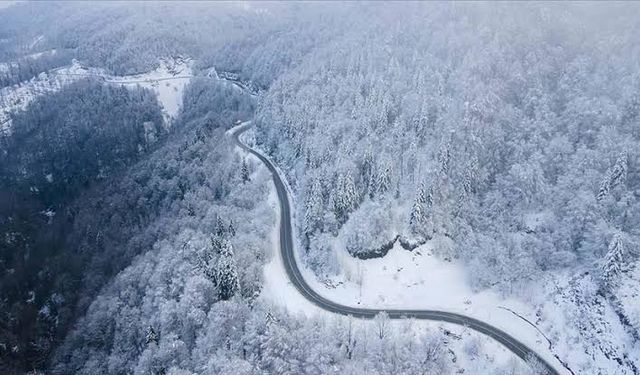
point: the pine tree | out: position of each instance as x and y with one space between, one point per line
227 273
245 171
615 176
618 174
417 218
428 199
152 335
444 157
420 219
470 176
383 180
367 174
345 197
205 261
611 267
220 229
232 229
313 208
604 186
422 194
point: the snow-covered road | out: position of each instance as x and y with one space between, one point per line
295 276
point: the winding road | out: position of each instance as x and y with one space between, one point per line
294 274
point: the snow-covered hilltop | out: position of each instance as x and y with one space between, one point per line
168 81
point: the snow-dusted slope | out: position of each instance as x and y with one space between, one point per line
167 81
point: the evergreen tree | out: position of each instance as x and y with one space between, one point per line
618 174
470 176
420 219
227 273
232 229
615 176
444 157
345 197
612 265
367 174
220 229
605 186
152 335
245 171
205 262
422 195
417 218
383 181
313 208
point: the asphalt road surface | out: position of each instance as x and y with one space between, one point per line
293 272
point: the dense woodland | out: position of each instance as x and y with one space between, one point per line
509 136
60 146
515 145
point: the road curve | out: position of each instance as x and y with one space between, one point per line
294 274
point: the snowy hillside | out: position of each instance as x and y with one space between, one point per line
320 188
167 81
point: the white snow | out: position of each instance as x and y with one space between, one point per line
278 290
419 280
629 295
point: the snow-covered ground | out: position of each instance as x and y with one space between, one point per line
167 81
470 351
545 320
629 296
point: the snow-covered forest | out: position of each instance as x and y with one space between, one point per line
503 139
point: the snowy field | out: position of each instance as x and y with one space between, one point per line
167 81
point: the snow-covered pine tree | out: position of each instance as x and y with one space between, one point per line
615 176
420 221
367 174
245 171
444 157
313 208
618 174
422 194
152 335
428 199
345 197
612 265
417 219
232 229
383 179
605 186
470 176
205 261
216 244
220 229
227 273
350 193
